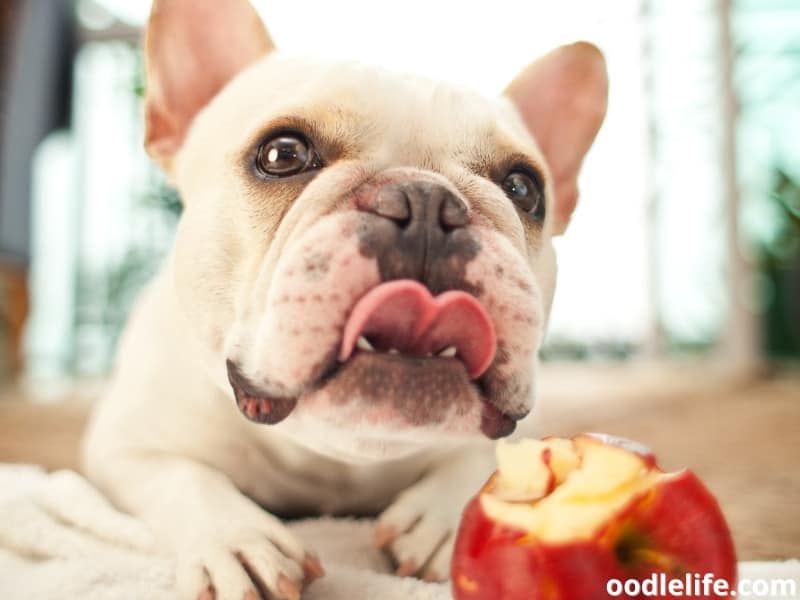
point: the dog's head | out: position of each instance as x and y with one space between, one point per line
366 256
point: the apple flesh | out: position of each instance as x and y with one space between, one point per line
561 517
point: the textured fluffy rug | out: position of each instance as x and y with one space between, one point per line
60 539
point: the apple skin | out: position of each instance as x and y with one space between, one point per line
678 518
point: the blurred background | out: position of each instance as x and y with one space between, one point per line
679 287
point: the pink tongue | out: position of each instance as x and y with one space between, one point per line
402 314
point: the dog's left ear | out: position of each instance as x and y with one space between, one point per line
192 49
562 98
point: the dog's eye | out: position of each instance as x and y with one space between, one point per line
284 155
526 191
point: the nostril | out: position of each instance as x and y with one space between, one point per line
453 212
392 203
429 206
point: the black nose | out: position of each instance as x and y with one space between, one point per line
418 230
421 205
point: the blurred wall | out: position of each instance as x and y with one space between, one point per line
36 90
36 40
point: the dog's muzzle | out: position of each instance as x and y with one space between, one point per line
417 344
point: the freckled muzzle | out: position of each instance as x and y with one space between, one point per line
394 314
403 317
406 331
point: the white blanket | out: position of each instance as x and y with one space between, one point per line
60 539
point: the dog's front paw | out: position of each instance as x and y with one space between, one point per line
418 532
259 560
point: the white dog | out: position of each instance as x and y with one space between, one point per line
359 286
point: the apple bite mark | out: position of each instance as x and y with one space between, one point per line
561 517
598 481
530 469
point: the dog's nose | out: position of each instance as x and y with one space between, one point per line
418 230
422 206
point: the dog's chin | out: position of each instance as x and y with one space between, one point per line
385 397
357 446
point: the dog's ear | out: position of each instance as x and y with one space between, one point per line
192 49
562 98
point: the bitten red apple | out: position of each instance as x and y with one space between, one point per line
561 517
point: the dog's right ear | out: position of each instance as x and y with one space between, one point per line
192 49
562 98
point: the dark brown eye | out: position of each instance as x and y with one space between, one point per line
286 154
526 191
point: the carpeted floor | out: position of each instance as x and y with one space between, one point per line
740 434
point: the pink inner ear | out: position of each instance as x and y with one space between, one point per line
193 49
562 98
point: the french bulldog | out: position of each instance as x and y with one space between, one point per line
359 285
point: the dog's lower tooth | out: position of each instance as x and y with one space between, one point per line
448 352
362 343
394 351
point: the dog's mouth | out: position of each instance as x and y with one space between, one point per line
401 317
404 346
